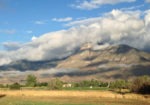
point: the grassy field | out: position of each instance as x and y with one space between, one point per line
86 88
71 98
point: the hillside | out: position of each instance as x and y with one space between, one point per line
88 62
113 62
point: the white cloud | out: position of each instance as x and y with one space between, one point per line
29 31
84 21
33 38
8 31
40 22
132 7
11 45
115 27
93 4
62 19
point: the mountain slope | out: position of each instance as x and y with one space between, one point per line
120 54
120 61
88 62
24 65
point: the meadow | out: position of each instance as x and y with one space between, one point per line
62 97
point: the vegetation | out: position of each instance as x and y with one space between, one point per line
40 84
15 86
31 81
55 84
67 100
119 84
141 85
32 97
2 86
91 83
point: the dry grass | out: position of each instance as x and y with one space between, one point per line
104 94
76 97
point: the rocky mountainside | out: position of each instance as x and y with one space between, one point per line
24 65
114 55
113 62
88 62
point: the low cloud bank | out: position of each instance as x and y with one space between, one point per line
115 27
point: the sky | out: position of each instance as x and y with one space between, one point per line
47 29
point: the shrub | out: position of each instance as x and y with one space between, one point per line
141 85
2 86
42 84
119 84
15 86
31 81
55 84
88 83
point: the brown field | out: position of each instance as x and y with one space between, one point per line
73 97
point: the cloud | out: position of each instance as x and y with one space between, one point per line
62 19
132 7
33 38
8 31
29 31
93 4
84 21
115 27
11 46
148 1
40 22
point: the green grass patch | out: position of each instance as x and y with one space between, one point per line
86 88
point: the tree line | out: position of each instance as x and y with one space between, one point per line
138 85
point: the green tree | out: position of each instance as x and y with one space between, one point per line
15 86
2 86
40 84
55 84
31 81
94 83
119 84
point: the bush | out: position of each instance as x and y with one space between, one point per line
88 83
42 84
2 86
119 84
15 86
31 81
55 84
141 85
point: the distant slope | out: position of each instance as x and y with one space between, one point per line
120 54
120 61
24 65
108 63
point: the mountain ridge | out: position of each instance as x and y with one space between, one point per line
106 63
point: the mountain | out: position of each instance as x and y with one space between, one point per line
24 65
113 55
112 62
88 62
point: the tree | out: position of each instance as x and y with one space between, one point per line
119 84
2 86
31 81
40 84
55 84
15 86
88 83
141 85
